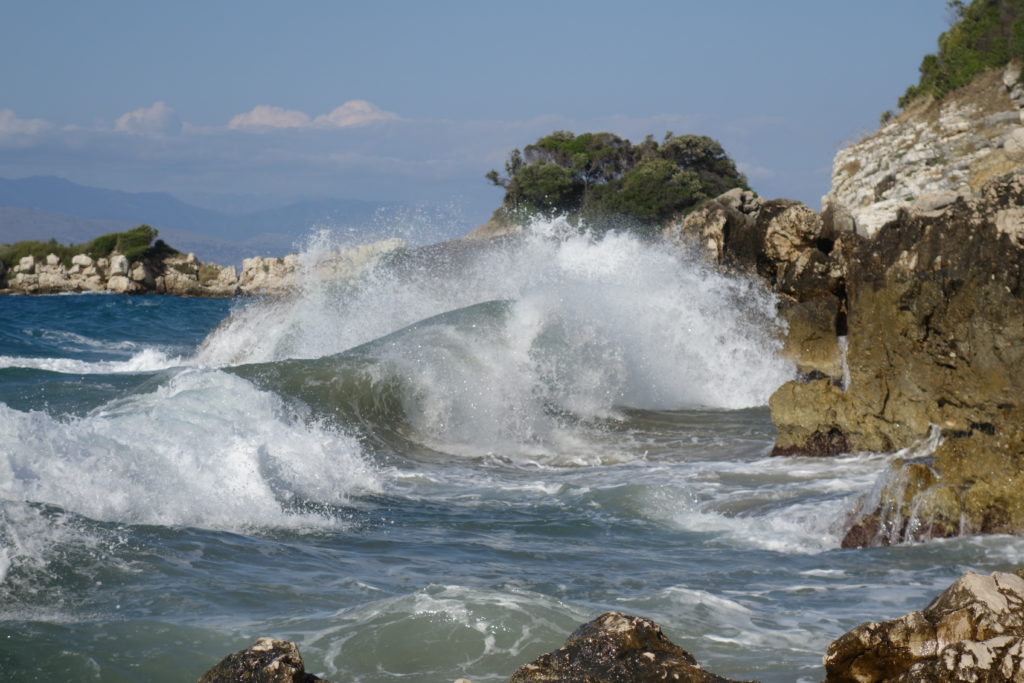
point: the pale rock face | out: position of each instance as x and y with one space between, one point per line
228 276
52 260
118 265
27 265
1014 145
267 275
930 152
120 284
53 281
973 631
81 260
141 274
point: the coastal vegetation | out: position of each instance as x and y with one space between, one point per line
985 34
136 244
608 180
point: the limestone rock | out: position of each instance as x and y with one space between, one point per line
27 265
973 631
118 264
265 661
933 148
615 648
783 242
935 317
971 483
81 260
121 284
1014 145
812 341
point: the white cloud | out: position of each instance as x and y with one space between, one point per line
352 113
266 117
11 125
158 119
754 172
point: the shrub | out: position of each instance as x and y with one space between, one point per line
985 34
134 244
608 180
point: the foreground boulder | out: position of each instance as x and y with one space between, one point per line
616 648
973 631
265 661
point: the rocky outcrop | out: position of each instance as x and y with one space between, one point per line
185 275
973 631
265 661
918 328
616 647
924 158
935 308
796 253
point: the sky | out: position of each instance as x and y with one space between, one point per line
414 101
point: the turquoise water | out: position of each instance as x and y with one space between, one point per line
437 470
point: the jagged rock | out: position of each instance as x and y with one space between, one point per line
265 661
796 252
813 341
615 648
81 260
933 148
52 260
971 483
27 265
783 242
935 313
118 264
121 284
973 631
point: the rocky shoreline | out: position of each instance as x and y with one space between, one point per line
905 313
184 274
972 631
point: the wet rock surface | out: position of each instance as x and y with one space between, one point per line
920 327
616 648
973 631
265 661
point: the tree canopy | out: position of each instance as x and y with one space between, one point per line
604 178
136 244
985 34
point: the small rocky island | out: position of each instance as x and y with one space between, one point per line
127 263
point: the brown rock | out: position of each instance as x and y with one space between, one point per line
935 317
265 661
616 648
973 631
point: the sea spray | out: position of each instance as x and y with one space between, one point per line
433 470
204 449
589 325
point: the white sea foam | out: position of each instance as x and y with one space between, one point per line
146 360
206 449
595 323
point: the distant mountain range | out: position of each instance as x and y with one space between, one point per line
41 208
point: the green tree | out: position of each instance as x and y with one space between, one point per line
604 178
984 34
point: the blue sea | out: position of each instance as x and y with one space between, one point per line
436 469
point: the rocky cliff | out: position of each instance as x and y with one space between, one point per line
905 302
927 156
184 275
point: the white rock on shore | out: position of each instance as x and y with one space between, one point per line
185 275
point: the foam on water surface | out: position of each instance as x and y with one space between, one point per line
204 449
